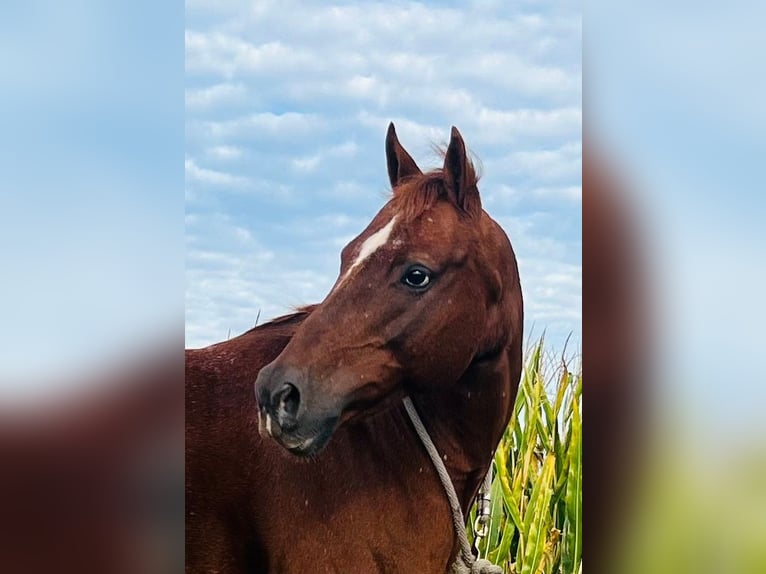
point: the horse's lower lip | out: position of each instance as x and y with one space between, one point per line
318 437
306 448
309 446
300 446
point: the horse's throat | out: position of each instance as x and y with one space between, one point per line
467 420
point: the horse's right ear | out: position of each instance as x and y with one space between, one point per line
400 163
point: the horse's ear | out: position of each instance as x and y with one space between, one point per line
460 176
400 163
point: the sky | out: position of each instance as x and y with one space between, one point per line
287 105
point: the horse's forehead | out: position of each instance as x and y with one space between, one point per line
391 229
435 224
433 235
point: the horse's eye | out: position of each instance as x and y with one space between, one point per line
417 277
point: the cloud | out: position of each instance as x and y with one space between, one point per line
289 125
306 163
549 175
564 162
569 192
309 163
224 55
488 126
194 173
560 121
224 152
373 50
552 297
346 149
216 94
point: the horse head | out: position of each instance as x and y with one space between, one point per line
429 287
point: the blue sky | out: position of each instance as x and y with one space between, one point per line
287 105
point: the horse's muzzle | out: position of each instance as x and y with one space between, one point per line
283 412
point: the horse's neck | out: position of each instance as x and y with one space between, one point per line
467 420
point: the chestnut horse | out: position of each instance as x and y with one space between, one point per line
427 305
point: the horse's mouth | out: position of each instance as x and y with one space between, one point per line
309 446
302 448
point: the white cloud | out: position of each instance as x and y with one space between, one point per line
290 125
310 163
376 50
501 125
569 192
488 126
498 194
226 55
306 164
224 152
346 149
216 94
564 162
212 177
552 291
407 130
347 189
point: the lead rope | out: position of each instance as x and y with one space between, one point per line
466 562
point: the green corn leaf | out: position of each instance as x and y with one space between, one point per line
565 384
537 520
502 553
573 497
496 515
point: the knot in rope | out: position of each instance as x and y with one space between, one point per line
478 566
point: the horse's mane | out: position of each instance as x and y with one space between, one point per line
298 314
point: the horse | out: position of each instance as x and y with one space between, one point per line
300 454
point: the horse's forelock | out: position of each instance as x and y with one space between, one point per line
422 192
418 194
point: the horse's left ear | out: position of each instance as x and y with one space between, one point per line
460 176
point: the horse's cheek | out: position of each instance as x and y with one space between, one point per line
443 352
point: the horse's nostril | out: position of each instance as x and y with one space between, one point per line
287 400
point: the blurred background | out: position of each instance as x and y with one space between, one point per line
673 102
91 287
92 160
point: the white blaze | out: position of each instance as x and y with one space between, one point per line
371 245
